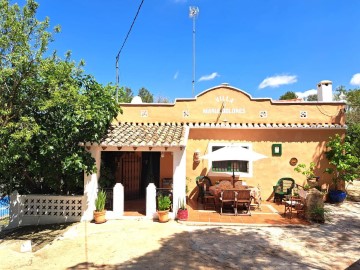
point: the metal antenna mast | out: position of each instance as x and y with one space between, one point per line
193 12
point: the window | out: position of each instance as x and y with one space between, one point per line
229 165
242 168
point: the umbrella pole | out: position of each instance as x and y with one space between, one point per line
233 176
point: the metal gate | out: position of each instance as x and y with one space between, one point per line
128 173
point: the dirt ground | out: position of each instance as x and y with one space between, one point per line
144 244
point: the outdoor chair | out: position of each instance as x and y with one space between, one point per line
227 198
243 200
283 187
203 183
295 204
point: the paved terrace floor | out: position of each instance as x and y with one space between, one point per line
269 213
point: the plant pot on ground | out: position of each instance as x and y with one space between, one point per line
100 212
164 204
182 213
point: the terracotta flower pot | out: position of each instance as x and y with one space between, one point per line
99 217
163 216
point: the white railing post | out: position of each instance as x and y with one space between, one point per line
151 201
16 213
179 178
118 200
91 185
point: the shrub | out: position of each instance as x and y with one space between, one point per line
100 201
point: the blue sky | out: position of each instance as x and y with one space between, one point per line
264 47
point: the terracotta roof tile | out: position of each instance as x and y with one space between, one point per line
145 134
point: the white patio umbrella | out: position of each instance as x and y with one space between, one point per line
233 153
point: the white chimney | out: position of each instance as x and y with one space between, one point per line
324 91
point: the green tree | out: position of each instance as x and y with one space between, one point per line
312 97
353 119
344 164
125 95
288 95
160 99
47 107
145 95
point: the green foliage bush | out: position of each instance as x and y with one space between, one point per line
164 202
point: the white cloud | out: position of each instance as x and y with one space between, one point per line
355 80
306 93
276 81
209 77
176 75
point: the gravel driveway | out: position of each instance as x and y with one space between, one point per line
143 244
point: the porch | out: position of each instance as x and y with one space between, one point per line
269 214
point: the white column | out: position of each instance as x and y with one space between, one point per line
151 201
118 200
91 185
179 178
15 212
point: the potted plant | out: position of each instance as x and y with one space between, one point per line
99 212
182 213
164 204
344 167
308 171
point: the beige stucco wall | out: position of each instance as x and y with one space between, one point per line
226 104
305 145
236 105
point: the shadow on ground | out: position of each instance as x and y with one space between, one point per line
253 248
40 235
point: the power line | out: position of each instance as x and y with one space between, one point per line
118 55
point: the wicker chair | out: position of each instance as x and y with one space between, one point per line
283 187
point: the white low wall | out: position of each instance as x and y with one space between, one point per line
44 209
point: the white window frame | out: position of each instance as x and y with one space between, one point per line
229 174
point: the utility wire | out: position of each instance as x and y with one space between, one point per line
137 13
118 55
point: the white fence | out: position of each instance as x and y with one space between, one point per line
44 209
49 209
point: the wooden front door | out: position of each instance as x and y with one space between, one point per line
128 173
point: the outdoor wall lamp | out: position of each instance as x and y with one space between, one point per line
197 156
162 154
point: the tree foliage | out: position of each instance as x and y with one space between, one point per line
125 95
145 95
313 97
47 107
340 156
288 95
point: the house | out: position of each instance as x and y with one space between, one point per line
151 146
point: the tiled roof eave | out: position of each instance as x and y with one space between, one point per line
130 134
265 126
